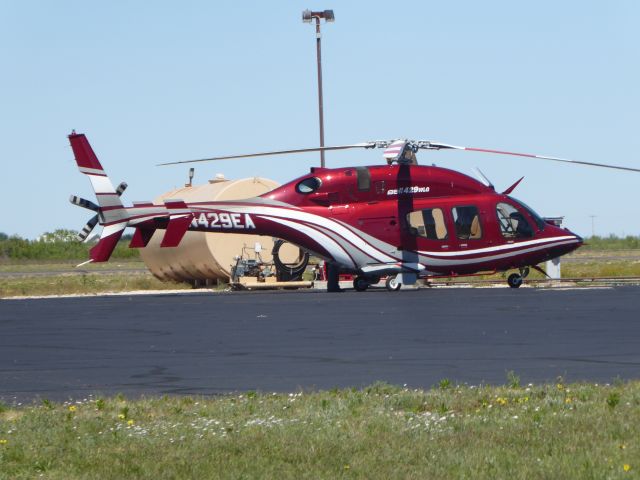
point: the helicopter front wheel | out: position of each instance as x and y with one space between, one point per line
392 284
514 280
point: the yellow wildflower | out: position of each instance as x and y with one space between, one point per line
626 467
567 400
122 416
130 423
501 400
72 408
622 446
347 467
560 386
3 441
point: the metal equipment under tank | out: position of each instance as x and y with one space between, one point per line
204 258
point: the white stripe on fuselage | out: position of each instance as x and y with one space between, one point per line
288 217
462 261
329 224
507 246
337 252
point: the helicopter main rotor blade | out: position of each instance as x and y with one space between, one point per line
277 152
438 146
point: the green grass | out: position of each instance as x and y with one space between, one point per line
84 284
548 431
601 269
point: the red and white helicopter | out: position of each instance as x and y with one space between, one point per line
399 220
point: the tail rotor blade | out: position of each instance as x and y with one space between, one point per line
121 188
88 228
84 203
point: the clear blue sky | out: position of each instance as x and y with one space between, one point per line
152 82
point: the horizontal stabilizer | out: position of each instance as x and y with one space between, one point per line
176 229
172 204
141 237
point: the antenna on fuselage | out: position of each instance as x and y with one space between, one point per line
483 178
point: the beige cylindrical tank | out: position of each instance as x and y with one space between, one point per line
205 256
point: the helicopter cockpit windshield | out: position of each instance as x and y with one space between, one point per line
536 218
513 224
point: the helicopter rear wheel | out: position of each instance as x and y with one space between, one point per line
360 284
392 284
514 280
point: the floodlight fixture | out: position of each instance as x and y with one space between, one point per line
308 16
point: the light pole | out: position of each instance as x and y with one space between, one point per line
307 17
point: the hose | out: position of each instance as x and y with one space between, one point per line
289 272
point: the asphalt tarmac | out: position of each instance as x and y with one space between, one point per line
283 341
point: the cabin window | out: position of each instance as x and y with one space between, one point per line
364 178
308 185
467 222
427 223
512 223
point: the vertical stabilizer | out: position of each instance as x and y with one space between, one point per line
89 164
110 211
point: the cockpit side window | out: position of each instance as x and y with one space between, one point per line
308 185
513 224
467 222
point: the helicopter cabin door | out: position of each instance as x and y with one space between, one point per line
467 225
428 229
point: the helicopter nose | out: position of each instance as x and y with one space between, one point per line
578 241
576 238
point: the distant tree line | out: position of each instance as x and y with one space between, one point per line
612 242
62 245
57 245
